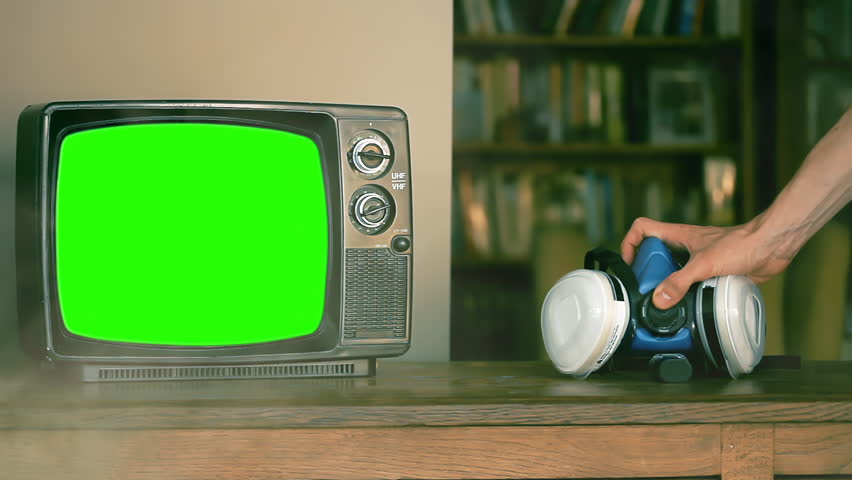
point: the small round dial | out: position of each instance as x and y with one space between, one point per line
371 209
370 154
662 322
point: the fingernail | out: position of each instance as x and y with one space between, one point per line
661 299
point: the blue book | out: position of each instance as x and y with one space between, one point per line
687 17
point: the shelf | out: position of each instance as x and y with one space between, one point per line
578 149
594 42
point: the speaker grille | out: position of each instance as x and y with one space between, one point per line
376 298
117 373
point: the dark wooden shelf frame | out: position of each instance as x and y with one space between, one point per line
623 149
595 42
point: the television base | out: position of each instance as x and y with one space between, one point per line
361 367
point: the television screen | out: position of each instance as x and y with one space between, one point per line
156 234
199 217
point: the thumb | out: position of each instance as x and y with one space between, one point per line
674 288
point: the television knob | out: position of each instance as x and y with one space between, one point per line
401 244
371 209
370 154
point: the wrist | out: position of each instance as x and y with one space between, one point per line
778 235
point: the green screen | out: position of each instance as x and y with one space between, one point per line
193 234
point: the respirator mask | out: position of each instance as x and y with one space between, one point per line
603 316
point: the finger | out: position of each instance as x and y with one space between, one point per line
673 234
639 230
674 287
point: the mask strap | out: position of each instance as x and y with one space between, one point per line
607 259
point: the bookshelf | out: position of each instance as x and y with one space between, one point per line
564 124
812 47
522 150
591 42
813 68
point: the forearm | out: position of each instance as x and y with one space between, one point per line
820 188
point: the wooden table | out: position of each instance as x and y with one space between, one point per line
441 420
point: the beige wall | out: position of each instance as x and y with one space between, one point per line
388 52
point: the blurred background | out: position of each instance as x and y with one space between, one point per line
539 128
573 117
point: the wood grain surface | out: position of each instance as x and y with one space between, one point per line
439 394
438 420
747 452
367 453
813 449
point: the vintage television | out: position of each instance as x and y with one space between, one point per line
213 239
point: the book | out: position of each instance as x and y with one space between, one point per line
489 21
514 211
611 17
485 78
496 92
567 99
686 17
535 100
566 16
614 114
578 99
474 198
499 81
467 101
661 17
459 20
472 16
698 21
506 21
510 124
555 76
631 19
594 101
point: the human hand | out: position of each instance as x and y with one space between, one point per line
713 251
